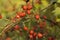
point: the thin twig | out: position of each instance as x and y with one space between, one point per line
48 6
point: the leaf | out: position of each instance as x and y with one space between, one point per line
57 11
58 1
3 23
37 6
44 3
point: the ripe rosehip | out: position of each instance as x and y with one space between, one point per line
30 36
17 16
31 32
22 14
0 16
16 27
24 7
25 28
28 12
37 16
29 7
8 38
40 35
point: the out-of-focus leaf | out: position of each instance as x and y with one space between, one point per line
3 23
57 11
44 3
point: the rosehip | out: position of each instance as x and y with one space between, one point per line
25 28
30 36
16 27
17 16
29 7
8 38
0 16
39 35
31 32
24 7
22 14
37 16
28 12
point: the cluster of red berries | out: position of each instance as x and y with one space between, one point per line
27 8
32 34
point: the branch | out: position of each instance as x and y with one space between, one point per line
48 6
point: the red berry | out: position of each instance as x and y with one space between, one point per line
24 7
37 16
22 14
25 28
31 36
8 38
16 27
17 16
0 16
31 32
39 35
28 12
29 7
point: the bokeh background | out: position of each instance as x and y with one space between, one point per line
49 15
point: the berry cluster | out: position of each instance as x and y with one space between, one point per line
35 32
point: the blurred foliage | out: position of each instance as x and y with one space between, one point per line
52 12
